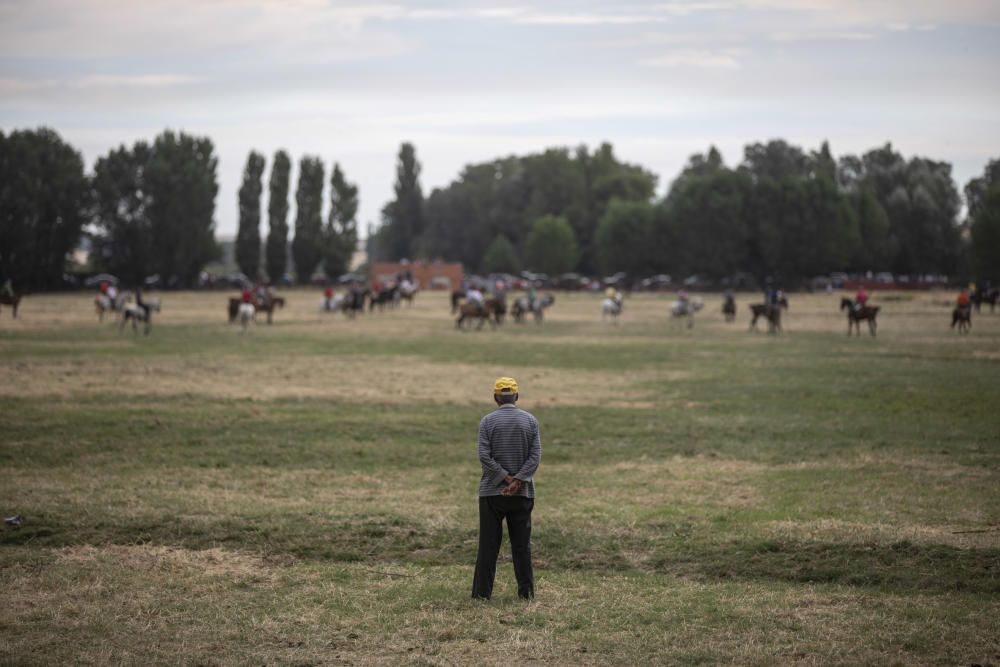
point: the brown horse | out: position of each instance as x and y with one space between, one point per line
408 296
962 316
729 309
770 312
259 306
456 297
489 312
855 315
11 300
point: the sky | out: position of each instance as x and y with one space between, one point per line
467 82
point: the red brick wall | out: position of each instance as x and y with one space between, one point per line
422 272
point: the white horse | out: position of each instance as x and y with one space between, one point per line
137 313
332 305
104 303
247 315
611 307
681 309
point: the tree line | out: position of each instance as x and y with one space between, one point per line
781 212
329 244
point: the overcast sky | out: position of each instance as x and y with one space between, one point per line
470 81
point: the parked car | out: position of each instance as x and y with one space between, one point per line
93 281
660 281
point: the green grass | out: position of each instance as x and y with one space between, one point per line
705 497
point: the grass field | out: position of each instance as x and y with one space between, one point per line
305 494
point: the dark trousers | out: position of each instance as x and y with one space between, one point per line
492 511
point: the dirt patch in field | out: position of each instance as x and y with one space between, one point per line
395 380
208 562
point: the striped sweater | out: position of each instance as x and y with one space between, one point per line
509 444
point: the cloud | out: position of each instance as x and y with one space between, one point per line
692 58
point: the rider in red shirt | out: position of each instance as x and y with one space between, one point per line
247 295
861 298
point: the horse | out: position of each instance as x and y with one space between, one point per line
137 313
12 299
408 294
387 297
456 297
260 306
488 312
990 296
247 315
962 316
522 307
611 307
354 301
103 303
771 312
686 309
855 315
729 309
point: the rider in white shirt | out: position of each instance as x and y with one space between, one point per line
474 296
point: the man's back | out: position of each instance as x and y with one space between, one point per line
509 437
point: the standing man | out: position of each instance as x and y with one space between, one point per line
510 449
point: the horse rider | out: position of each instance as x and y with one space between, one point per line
475 297
8 288
263 294
861 298
963 300
532 296
247 295
328 298
139 302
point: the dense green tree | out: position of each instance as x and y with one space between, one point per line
984 231
276 250
708 214
501 257
625 239
181 181
403 217
123 244
876 246
44 196
551 246
248 235
340 234
307 245
978 188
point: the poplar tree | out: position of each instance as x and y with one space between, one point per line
306 247
276 251
248 236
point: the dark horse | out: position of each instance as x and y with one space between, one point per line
354 301
855 315
490 311
729 308
11 300
387 297
770 312
261 307
456 297
962 316
990 296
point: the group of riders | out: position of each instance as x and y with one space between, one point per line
379 293
116 301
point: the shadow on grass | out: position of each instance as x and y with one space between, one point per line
897 567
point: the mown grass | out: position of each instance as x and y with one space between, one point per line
305 494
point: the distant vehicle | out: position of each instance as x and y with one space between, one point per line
237 280
660 281
740 281
153 281
885 278
617 280
349 278
697 281
571 281
838 279
101 278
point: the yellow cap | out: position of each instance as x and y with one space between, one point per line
505 386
